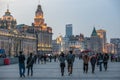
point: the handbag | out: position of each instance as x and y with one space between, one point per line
29 63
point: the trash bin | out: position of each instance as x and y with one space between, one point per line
6 61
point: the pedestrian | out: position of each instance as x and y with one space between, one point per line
35 58
21 58
85 63
55 57
105 61
38 57
30 62
97 63
93 62
62 63
45 58
50 57
70 61
100 61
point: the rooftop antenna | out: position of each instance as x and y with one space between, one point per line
8 5
39 1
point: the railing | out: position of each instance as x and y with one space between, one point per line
12 61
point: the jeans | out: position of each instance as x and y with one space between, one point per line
85 67
93 67
62 66
30 68
70 68
22 69
105 65
100 66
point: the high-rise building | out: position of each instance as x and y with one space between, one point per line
102 34
69 30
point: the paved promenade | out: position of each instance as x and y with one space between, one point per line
51 71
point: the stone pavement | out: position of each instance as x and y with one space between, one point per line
51 71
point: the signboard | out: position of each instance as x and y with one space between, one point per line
2 51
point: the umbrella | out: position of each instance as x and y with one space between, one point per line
86 51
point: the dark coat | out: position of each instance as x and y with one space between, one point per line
30 61
21 59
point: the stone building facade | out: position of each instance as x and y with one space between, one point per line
12 40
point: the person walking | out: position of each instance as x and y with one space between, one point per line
30 62
100 61
93 62
85 63
21 59
45 58
35 58
39 57
105 61
62 63
50 57
70 61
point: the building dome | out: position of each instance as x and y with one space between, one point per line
7 21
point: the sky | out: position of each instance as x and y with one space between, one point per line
83 14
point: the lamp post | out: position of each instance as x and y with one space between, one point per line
36 33
9 47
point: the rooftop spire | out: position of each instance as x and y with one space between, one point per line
94 33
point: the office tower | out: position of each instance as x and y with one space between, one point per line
69 30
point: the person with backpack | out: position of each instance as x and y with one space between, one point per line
21 59
30 62
70 61
85 63
62 62
93 62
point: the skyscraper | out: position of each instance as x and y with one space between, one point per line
69 30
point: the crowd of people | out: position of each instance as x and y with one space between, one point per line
96 60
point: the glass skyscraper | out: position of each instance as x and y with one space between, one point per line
69 30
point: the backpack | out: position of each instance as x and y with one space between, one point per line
70 58
69 61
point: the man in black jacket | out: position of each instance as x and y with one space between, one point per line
30 62
105 61
21 64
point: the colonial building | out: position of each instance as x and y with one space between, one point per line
95 41
12 40
8 21
116 42
74 43
102 35
43 33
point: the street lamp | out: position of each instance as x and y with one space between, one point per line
36 33
9 41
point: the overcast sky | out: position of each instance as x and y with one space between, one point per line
83 14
